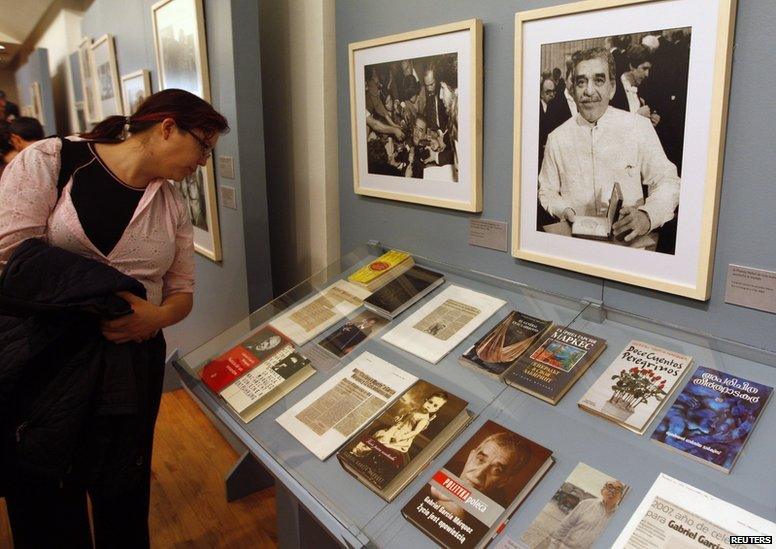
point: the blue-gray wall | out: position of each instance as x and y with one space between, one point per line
36 69
221 297
747 226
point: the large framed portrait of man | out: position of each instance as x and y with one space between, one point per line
181 60
620 111
416 116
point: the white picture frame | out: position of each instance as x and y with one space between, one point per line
684 265
135 88
105 77
87 83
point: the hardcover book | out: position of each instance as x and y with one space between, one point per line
636 385
441 324
326 418
465 503
676 515
351 334
578 512
390 452
254 375
404 291
713 417
554 363
319 312
383 269
500 347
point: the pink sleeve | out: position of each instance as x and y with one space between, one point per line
28 195
179 278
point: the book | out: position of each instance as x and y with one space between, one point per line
319 312
351 334
240 359
465 503
390 452
578 512
713 417
403 292
599 227
258 372
675 514
634 388
554 363
382 270
332 413
501 346
441 324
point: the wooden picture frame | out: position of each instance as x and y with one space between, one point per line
105 77
669 218
135 88
184 65
439 165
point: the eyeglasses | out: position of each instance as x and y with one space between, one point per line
205 148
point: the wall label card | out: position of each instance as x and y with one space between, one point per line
488 233
753 288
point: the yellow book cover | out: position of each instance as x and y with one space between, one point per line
379 267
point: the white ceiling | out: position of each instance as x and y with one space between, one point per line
24 16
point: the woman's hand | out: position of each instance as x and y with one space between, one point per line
143 323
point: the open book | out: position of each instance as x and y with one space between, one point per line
600 228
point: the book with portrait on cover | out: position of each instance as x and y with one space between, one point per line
501 346
443 322
467 501
713 417
554 363
258 372
332 413
634 388
389 452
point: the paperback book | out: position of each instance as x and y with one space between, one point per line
578 513
382 270
500 347
713 417
444 322
554 363
465 503
254 375
326 418
404 291
676 515
390 452
634 388
347 337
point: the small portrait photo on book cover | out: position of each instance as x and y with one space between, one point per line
352 333
578 512
264 343
409 425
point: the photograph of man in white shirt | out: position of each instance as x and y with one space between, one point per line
601 146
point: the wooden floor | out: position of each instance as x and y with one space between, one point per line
188 506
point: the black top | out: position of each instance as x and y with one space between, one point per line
103 202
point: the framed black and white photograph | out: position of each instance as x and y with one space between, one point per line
105 78
620 110
87 83
37 103
416 105
135 87
75 92
181 60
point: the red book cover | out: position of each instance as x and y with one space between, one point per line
225 369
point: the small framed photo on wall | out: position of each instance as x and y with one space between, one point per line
105 74
87 82
181 59
37 103
416 116
620 111
135 87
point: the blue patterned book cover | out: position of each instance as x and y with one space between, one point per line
713 416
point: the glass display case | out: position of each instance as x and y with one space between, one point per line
355 516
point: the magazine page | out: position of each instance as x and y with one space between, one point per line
318 313
325 419
441 324
675 515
